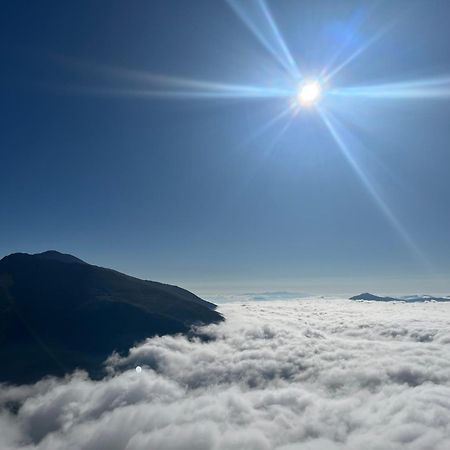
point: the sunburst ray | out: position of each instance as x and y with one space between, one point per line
433 88
272 39
380 202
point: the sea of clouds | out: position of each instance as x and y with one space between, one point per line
316 374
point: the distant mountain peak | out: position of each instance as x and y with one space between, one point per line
369 296
406 298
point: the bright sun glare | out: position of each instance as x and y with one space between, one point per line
309 93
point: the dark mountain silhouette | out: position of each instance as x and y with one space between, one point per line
368 296
58 313
57 256
407 298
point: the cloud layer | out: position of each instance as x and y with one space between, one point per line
304 374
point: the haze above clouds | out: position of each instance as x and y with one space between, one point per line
300 374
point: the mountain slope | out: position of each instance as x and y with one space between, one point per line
58 313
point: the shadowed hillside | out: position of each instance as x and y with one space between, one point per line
58 313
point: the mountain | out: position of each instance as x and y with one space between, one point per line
367 296
406 298
58 313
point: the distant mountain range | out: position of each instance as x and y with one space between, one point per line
58 313
406 298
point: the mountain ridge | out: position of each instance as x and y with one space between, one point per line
407 298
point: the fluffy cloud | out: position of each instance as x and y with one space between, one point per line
302 374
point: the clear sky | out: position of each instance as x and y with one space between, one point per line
111 152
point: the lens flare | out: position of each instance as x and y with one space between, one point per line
309 93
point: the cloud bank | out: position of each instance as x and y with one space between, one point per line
308 374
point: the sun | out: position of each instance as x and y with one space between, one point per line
309 93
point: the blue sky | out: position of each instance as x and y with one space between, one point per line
100 160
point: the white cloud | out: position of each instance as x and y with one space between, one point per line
303 374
